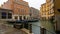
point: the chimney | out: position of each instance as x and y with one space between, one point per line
4 2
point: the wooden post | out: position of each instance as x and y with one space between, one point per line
23 25
30 28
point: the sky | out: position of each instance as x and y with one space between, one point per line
32 3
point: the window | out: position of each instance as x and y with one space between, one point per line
21 10
9 15
52 11
16 0
4 15
52 0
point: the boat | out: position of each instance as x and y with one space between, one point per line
24 21
33 20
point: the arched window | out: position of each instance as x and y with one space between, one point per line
24 17
16 17
20 17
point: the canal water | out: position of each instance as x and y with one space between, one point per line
36 27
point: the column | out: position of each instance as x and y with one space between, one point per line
0 15
18 18
22 18
6 15
28 26
13 17
26 17
23 25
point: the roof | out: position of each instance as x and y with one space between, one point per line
5 9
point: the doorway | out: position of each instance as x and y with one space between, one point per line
24 18
20 17
16 17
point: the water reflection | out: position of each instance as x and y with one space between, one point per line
36 27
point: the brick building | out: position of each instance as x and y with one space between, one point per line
20 9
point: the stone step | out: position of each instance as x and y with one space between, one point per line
25 30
